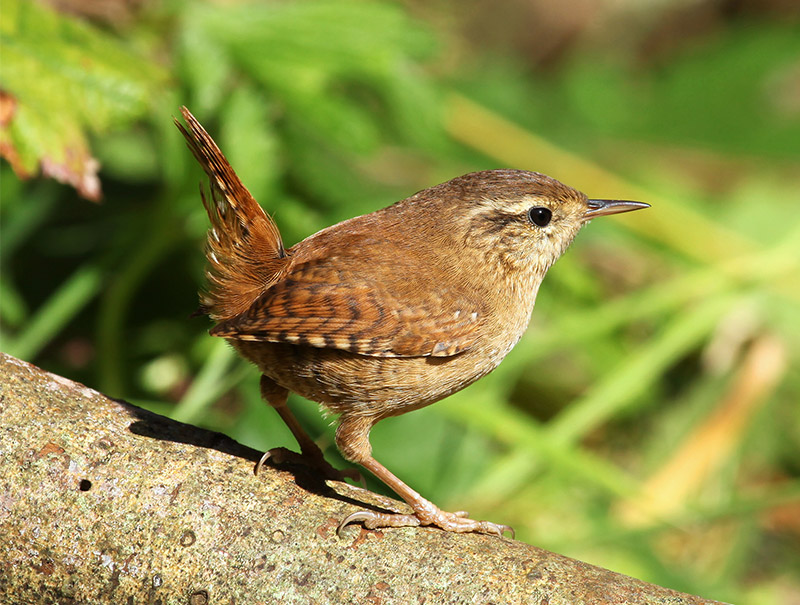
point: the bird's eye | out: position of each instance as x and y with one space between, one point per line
540 216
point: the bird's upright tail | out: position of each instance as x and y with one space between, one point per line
244 248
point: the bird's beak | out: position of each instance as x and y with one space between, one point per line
603 207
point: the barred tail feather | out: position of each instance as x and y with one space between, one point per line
244 248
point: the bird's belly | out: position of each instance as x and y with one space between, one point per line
346 382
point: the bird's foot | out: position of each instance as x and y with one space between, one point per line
429 515
282 455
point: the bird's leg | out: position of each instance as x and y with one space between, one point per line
276 396
352 438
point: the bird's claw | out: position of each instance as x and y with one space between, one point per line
281 455
455 522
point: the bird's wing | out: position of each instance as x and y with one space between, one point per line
357 315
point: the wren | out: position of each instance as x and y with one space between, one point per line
388 312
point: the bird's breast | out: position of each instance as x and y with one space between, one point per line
509 315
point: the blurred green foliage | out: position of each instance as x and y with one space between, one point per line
647 422
97 83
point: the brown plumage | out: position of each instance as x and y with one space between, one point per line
244 248
387 312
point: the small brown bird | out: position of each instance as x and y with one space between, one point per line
387 312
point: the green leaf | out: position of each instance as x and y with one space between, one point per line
60 79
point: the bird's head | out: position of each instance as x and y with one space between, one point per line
525 220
